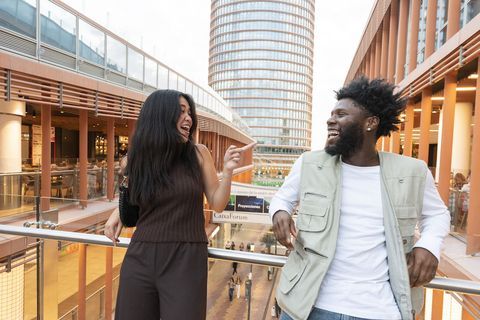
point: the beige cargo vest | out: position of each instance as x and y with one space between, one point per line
402 188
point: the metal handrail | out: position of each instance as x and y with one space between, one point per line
447 284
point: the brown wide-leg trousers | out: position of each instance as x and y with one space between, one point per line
165 281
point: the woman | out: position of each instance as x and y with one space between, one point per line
164 272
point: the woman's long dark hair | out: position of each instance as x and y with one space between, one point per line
157 146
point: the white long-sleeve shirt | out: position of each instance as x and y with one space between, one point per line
434 223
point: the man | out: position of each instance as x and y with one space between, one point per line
354 255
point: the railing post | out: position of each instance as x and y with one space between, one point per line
437 304
82 280
108 283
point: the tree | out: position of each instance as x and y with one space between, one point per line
268 239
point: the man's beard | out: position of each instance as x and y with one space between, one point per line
348 142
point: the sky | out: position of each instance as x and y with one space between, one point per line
176 32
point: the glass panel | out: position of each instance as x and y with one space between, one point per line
150 72
57 26
162 77
135 64
441 23
181 84
19 16
172 80
116 55
473 8
92 43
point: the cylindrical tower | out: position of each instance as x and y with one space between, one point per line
261 63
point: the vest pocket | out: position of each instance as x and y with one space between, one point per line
292 271
407 221
312 218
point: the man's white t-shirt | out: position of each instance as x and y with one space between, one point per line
357 282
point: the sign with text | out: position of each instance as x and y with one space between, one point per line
247 204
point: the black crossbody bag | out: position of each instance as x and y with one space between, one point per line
128 212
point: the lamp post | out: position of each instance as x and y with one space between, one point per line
248 292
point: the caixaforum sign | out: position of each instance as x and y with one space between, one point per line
247 204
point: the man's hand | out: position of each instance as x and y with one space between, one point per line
422 266
283 226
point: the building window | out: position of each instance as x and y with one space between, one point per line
422 26
19 16
468 10
58 27
442 22
92 43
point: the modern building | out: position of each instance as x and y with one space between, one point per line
261 63
70 94
430 50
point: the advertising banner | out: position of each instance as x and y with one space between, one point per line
247 204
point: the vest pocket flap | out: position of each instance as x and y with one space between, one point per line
292 272
309 209
407 220
409 212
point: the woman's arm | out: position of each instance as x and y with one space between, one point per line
218 192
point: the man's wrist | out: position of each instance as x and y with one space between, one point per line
279 211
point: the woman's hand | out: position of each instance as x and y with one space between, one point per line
233 156
113 226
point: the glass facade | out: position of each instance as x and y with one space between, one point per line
441 24
422 28
468 10
80 45
261 59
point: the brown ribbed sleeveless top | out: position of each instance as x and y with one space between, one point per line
176 215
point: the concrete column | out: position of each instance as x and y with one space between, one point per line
367 63
385 40
110 158
46 185
392 40
473 220
445 163
395 139
11 114
409 121
430 28
378 53
83 157
82 281
462 131
402 41
371 72
414 22
439 145
132 124
453 18
108 283
425 121
386 144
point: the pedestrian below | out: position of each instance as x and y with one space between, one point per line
233 245
238 284
354 253
248 288
241 247
234 266
231 288
165 267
